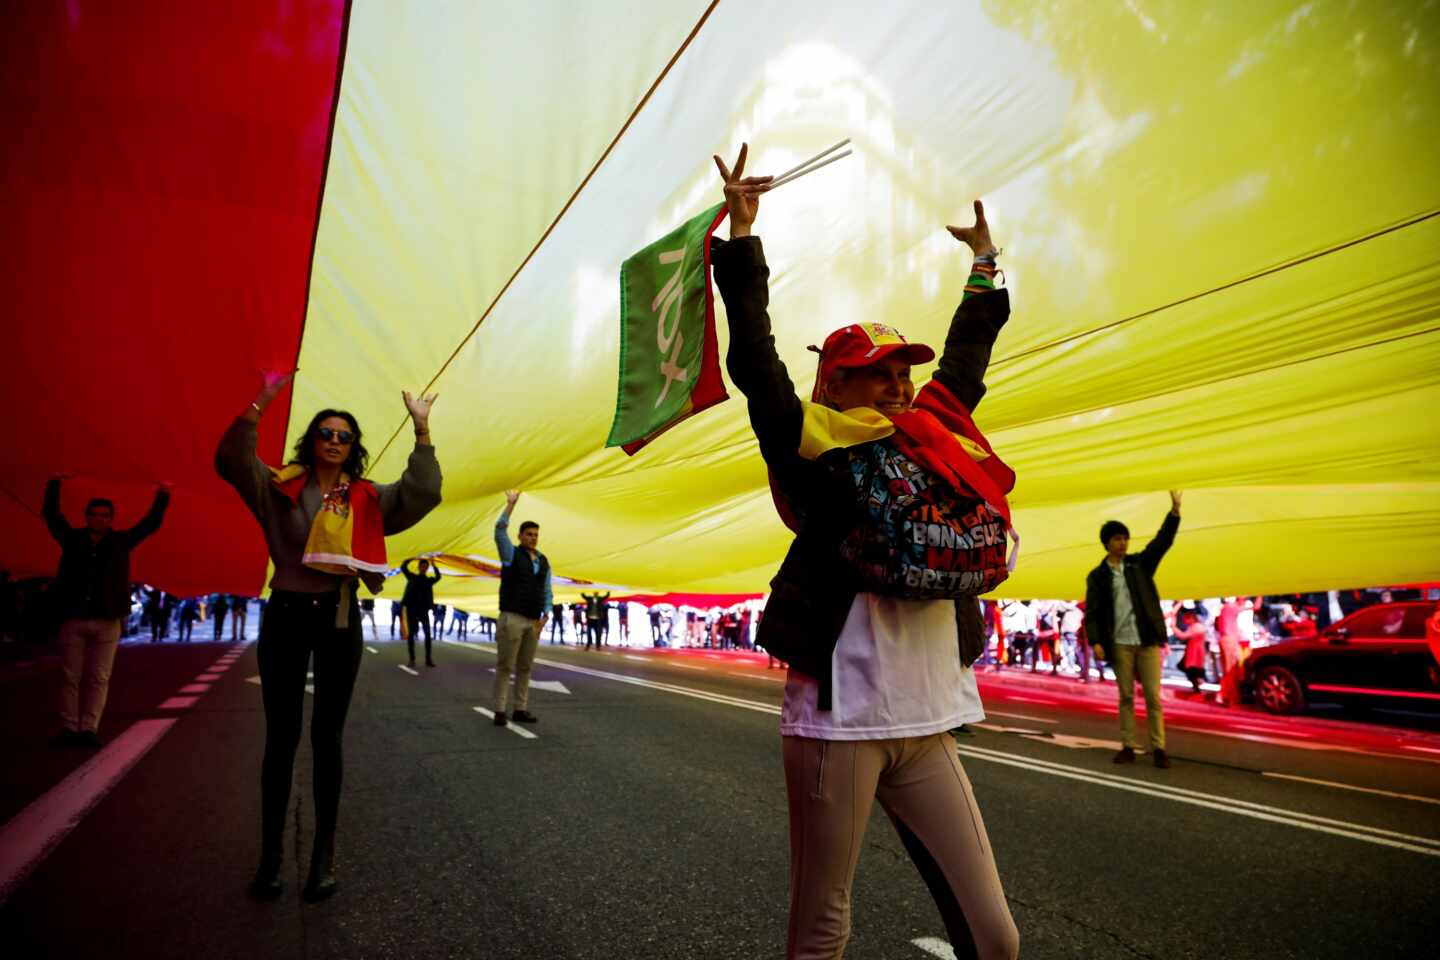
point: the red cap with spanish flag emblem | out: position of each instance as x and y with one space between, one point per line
861 344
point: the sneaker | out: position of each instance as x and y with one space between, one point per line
429 663
88 739
1124 755
65 739
500 720
1162 759
524 716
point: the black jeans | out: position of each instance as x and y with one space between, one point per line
418 617
593 636
295 626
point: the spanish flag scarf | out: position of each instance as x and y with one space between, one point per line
937 432
347 536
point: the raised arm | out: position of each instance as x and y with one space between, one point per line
153 518
235 458
405 502
976 324
744 282
1156 549
503 545
54 519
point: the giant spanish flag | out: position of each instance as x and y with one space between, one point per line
1221 243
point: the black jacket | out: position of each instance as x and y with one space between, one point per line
419 587
1140 578
811 595
522 586
93 581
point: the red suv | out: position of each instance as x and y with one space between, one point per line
1377 656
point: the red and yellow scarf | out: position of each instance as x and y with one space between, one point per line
347 536
937 432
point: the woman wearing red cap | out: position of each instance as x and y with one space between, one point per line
901 520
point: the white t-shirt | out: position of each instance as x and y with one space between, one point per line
895 673
1126 632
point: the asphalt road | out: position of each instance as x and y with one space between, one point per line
646 818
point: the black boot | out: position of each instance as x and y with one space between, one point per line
267 885
320 885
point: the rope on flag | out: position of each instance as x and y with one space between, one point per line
669 356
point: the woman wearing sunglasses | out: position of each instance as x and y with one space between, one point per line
325 526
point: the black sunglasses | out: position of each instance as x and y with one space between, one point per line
328 434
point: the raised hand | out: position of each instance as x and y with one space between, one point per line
742 193
977 238
419 407
510 497
272 382
1175 496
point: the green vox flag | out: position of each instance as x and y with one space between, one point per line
669 358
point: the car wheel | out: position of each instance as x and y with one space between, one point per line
1279 691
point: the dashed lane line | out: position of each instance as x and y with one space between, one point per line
512 727
1231 805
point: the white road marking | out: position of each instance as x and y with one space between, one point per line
195 688
1350 786
371 649
553 686
512 727
935 947
667 687
207 678
685 666
413 673
1302 745
178 703
631 656
757 676
1232 805
309 688
32 833
1019 716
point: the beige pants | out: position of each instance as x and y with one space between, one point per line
87 651
515 638
831 786
1129 661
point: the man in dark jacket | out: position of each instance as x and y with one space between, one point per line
93 597
418 602
1124 623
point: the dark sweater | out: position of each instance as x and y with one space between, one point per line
419 587
93 581
813 591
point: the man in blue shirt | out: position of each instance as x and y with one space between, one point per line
525 598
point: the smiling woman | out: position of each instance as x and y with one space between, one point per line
900 513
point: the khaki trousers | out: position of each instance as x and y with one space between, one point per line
87 647
831 786
1131 660
516 639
